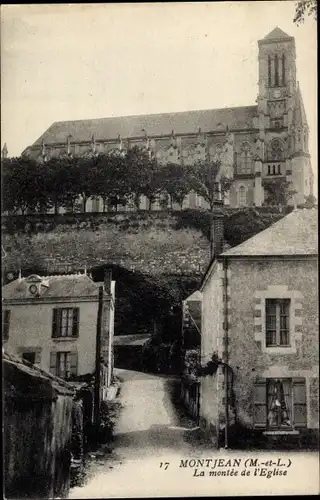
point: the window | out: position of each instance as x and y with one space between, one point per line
32 355
63 364
277 322
275 151
6 324
280 403
245 165
276 70
65 322
269 71
283 69
242 196
29 356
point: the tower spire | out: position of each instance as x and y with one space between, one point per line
4 152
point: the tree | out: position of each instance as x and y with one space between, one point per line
305 8
86 175
25 186
145 175
279 192
204 177
111 180
62 179
310 201
176 182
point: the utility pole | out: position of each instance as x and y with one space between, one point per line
97 381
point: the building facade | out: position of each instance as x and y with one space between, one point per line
52 322
255 144
260 319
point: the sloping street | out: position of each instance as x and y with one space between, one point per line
151 439
149 431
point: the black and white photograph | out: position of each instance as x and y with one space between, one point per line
159 227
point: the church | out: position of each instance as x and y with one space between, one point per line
256 144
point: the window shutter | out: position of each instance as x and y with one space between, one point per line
260 403
75 325
74 363
37 359
53 363
299 402
6 324
56 315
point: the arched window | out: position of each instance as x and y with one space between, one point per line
242 196
269 71
283 69
276 70
245 163
275 150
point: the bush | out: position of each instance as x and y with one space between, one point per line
109 411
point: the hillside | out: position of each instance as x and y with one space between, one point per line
157 258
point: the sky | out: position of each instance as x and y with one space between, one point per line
77 61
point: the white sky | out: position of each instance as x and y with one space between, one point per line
64 62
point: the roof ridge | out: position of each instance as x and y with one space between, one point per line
154 114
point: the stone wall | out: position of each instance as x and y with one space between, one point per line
37 433
151 246
248 356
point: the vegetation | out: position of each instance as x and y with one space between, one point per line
68 182
279 192
305 8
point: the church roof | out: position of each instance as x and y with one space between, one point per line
276 34
295 234
185 122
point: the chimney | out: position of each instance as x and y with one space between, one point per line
217 233
107 280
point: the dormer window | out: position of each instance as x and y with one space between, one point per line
35 285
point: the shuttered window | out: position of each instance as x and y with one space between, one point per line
33 355
279 404
65 322
64 364
6 324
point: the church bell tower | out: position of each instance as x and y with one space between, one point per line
283 128
277 80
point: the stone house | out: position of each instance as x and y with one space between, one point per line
256 144
51 321
260 332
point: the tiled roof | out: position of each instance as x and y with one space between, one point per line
58 384
295 234
59 286
154 125
276 34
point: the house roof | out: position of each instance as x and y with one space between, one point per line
72 285
295 234
276 34
154 125
22 379
131 340
195 296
